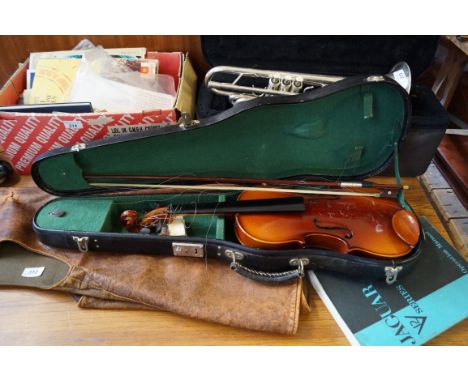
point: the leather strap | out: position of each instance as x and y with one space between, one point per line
269 277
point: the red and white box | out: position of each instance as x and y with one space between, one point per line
25 136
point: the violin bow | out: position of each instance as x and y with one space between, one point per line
272 185
239 188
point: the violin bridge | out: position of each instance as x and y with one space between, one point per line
177 227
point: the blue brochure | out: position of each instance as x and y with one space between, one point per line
431 298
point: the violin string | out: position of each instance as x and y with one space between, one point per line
212 218
342 187
169 180
344 168
172 195
177 207
178 194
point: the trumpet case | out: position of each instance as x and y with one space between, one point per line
342 56
349 130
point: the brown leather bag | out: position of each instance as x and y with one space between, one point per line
202 289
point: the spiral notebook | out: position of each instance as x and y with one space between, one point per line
416 308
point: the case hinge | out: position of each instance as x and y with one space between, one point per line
299 263
391 274
78 147
234 255
81 242
188 249
185 121
295 262
375 79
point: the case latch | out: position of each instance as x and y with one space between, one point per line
188 249
81 242
391 274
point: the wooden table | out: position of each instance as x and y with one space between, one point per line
451 70
29 317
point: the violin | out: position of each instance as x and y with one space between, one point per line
375 227
164 215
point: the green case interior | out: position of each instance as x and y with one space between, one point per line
349 133
101 214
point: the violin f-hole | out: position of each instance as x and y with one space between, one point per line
348 235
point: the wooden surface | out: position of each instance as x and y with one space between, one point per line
29 317
451 211
15 49
451 70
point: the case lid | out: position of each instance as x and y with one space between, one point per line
346 130
341 55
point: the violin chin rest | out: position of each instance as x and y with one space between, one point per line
406 226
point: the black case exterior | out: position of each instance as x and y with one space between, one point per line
272 266
427 126
346 56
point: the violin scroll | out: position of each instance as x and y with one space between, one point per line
129 220
154 221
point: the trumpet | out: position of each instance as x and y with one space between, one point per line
283 83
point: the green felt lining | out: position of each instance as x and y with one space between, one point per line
349 133
101 214
93 215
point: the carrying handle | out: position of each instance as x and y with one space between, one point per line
269 277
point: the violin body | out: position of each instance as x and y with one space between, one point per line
374 227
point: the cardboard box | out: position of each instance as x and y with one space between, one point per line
24 136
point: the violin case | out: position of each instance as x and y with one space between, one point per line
343 56
348 130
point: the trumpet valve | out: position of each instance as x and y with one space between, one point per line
296 84
286 83
274 83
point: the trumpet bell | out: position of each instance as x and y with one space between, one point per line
401 73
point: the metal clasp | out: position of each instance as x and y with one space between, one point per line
375 79
185 121
234 255
78 147
300 263
391 274
188 249
82 243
